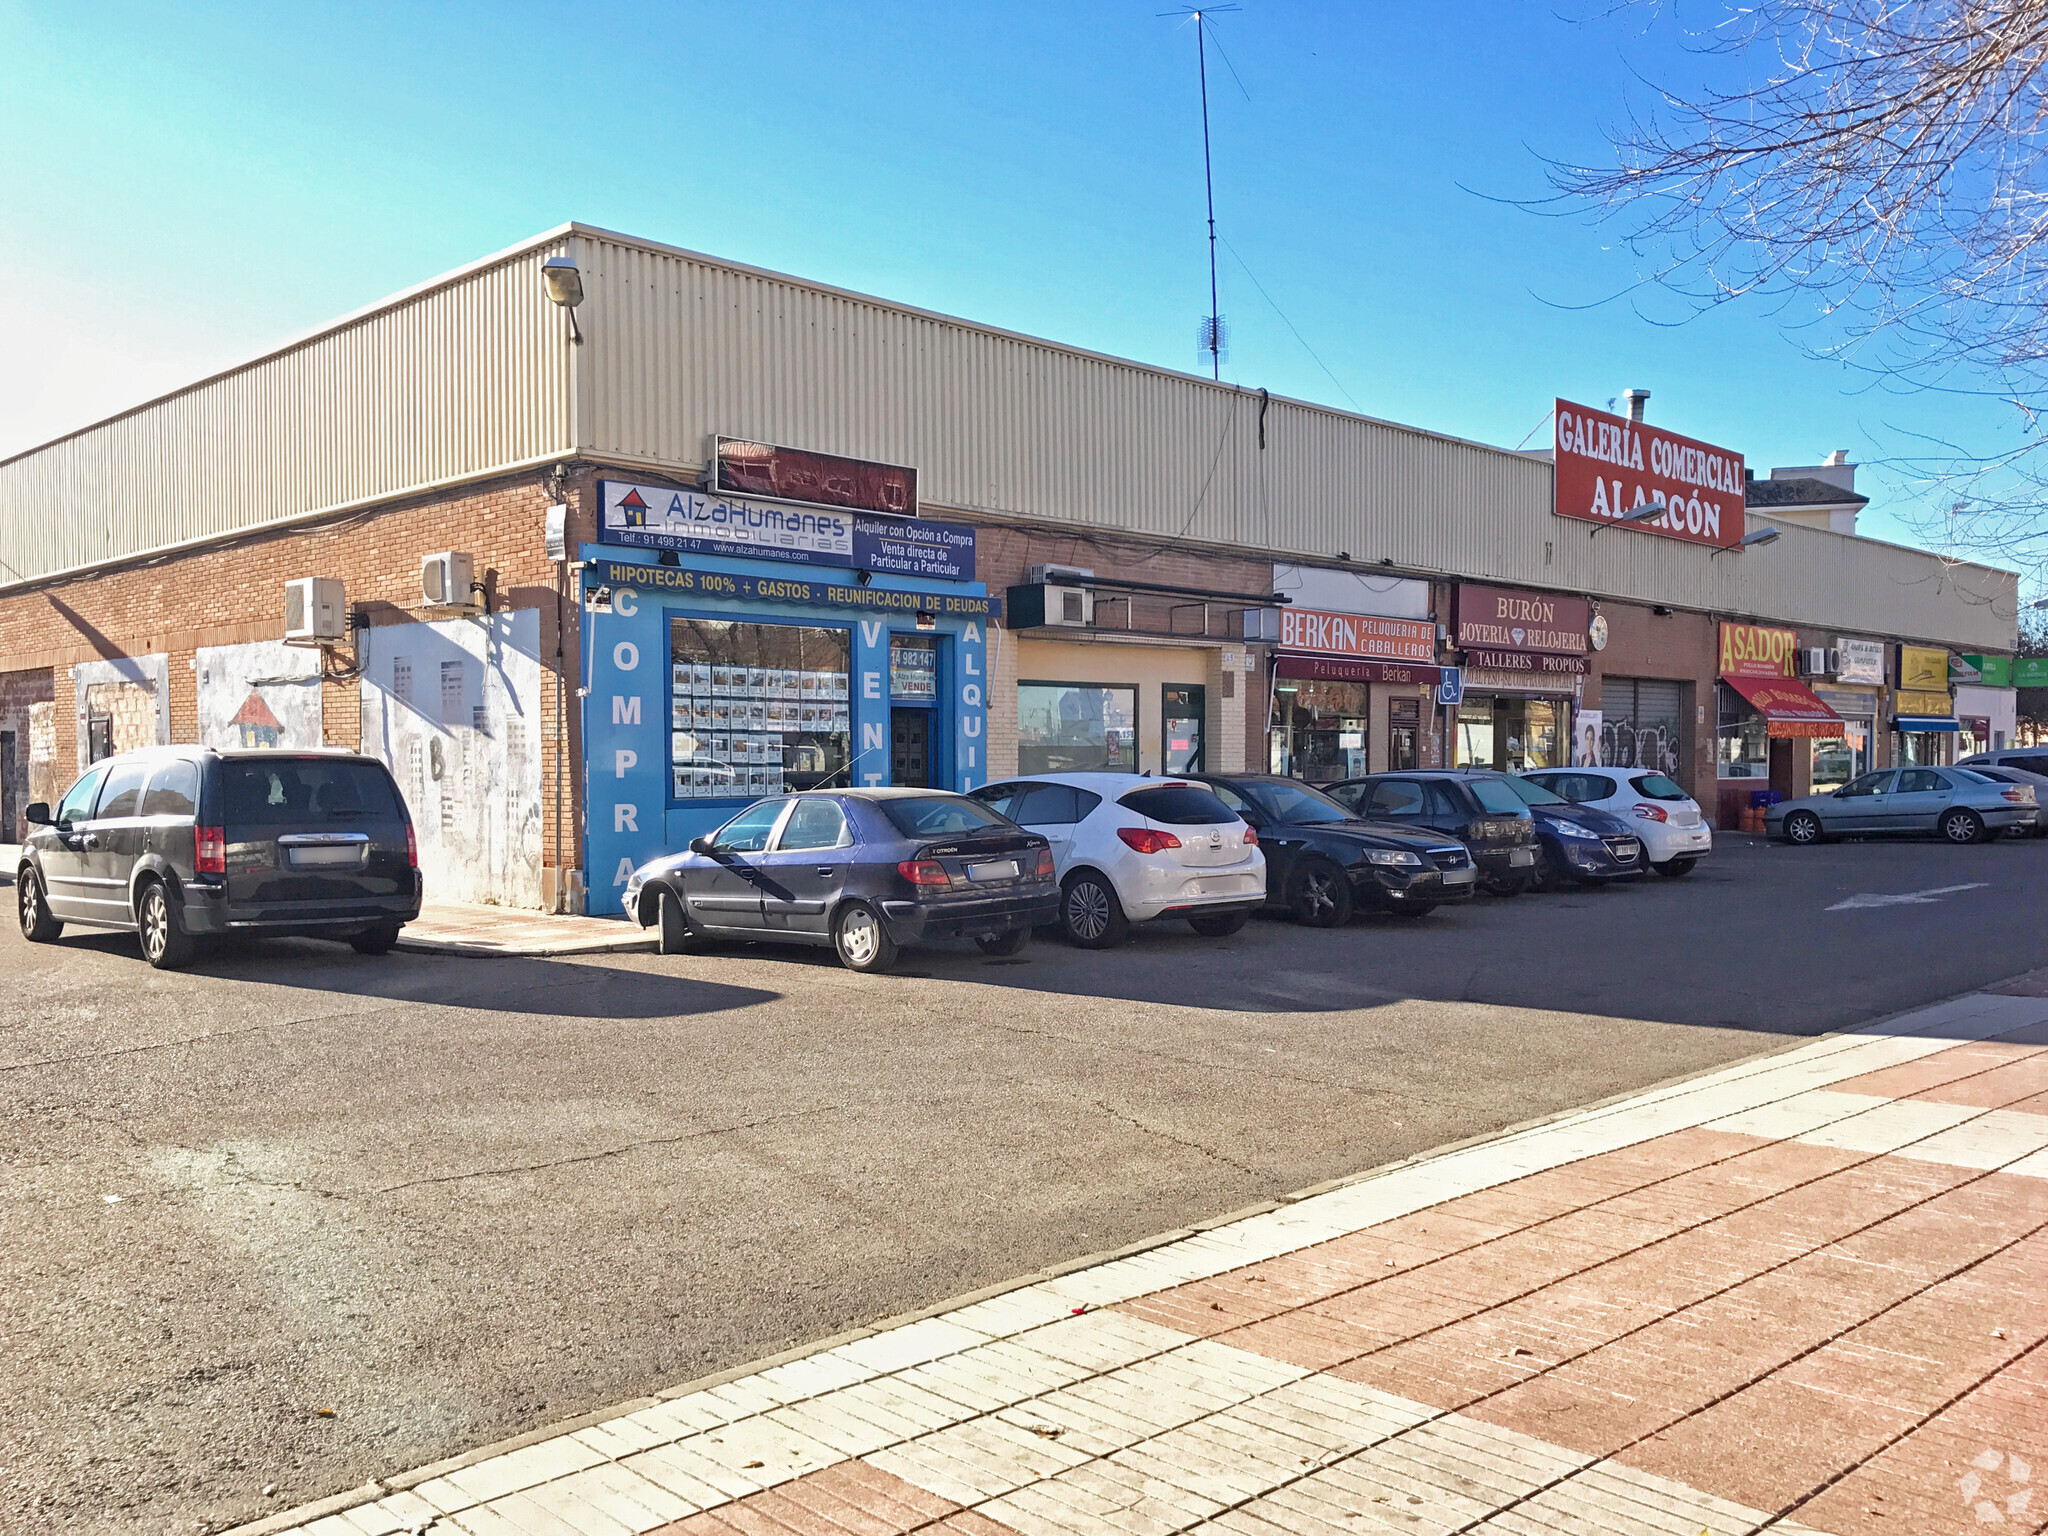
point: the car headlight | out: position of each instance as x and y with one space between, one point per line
1573 829
1396 856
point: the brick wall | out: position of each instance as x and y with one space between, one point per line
233 593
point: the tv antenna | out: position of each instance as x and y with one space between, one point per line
1212 336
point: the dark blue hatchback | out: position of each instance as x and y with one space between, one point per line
1576 843
864 871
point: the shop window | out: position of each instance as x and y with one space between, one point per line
1319 730
1508 732
1742 749
1838 759
1076 728
913 669
757 709
1475 733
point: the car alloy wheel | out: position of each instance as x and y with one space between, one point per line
1803 828
1091 914
37 925
1322 895
1962 827
164 945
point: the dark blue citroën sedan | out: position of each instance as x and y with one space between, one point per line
866 871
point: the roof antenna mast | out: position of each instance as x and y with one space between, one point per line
1211 337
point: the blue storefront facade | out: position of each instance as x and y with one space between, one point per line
714 679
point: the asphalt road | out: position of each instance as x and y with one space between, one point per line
298 1217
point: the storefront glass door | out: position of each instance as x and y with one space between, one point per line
1505 732
1181 734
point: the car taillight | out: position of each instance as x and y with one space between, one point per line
210 850
924 872
1145 840
2018 796
412 847
1651 813
1045 864
1251 837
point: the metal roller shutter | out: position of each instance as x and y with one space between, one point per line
1641 725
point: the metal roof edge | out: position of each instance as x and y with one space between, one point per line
942 318
305 338
1864 538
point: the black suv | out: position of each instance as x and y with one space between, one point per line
1480 809
176 842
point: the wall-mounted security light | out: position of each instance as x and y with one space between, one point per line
564 283
1640 514
1755 539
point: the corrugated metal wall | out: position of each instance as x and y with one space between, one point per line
684 347
463 376
472 373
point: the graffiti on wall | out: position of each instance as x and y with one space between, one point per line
266 694
123 703
1651 744
453 708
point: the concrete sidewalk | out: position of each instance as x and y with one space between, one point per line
452 928
1802 1293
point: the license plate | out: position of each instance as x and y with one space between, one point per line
326 856
1522 856
1460 876
1001 869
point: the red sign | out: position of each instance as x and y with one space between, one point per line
1345 669
1493 618
742 468
1608 465
1356 634
1789 708
1751 650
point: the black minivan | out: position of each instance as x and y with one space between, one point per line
1479 808
172 843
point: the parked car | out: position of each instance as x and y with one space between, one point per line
1131 849
2038 782
1477 807
1959 805
1576 843
2026 759
867 872
174 843
1675 835
1323 863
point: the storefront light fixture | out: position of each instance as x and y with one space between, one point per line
564 283
1642 514
1756 539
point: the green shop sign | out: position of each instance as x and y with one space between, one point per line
2030 672
1992 671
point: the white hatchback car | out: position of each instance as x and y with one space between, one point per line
1128 848
1675 835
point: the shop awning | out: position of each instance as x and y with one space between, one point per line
1914 725
1789 708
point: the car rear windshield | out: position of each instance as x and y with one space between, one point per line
947 816
295 790
1655 786
1533 793
1178 805
1978 776
1497 796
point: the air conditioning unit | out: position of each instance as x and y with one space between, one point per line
445 579
1060 575
1044 605
1262 624
315 610
1818 661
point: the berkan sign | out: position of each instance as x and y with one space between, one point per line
1608 465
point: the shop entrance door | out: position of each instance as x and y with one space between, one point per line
1184 706
1404 721
910 748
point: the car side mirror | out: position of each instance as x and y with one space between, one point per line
37 814
702 845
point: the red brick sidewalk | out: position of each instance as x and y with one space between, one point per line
1805 1293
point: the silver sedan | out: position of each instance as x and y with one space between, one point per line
1958 805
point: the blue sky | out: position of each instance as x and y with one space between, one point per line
185 187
